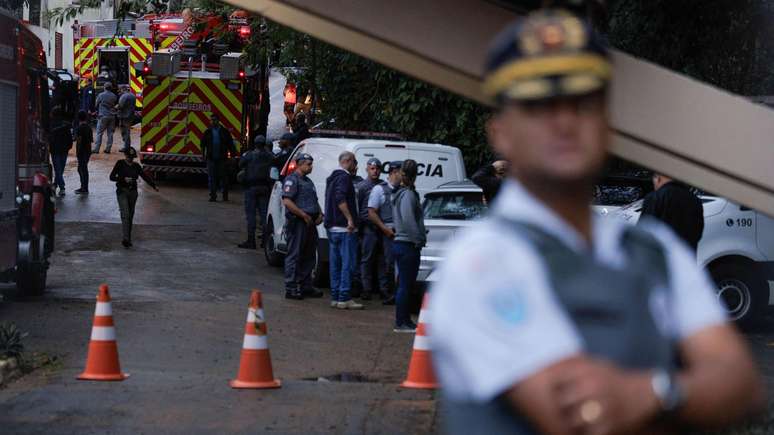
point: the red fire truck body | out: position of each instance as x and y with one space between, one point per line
26 204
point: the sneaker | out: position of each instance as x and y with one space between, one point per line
349 305
81 191
61 191
406 328
247 244
106 152
334 304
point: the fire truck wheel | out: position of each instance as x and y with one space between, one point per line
31 274
273 257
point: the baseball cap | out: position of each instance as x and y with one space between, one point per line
304 156
373 161
260 140
547 54
130 152
394 165
288 136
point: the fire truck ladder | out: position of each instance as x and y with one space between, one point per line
173 98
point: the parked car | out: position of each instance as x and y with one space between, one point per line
737 249
448 209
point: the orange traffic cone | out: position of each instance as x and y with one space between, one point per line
255 364
420 374
102 361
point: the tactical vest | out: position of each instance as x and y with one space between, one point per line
364 189
612 310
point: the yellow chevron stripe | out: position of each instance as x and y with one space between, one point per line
221 85
177 146
216 101
166 42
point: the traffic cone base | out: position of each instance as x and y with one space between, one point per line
420 373
102 358
255 369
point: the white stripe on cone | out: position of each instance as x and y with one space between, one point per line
422 316
103 333
103 309
255 342
421 342
252 314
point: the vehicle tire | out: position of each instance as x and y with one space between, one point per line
741 289
320 273
49 227
31 276
273 257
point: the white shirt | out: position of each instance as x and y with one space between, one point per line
494 320
377 197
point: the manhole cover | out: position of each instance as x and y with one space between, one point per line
341 377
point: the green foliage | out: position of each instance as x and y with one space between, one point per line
10 340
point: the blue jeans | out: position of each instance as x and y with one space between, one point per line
343 259
406 256
59 161
105 124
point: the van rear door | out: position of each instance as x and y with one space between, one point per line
437 164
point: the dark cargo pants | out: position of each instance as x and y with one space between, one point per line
376 257
302 250
127 198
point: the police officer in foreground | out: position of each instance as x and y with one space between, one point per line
302 214
546 319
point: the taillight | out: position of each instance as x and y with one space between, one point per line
290 168
244 30
241 74
149 149
145 70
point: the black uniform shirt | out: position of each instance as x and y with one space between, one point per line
123 171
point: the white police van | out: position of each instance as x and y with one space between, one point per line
737 248
438 164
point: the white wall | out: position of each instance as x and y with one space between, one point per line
48 35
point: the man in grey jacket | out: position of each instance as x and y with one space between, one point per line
126 104
106 117
410 237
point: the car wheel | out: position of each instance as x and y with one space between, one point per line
31 274
273 257
740 289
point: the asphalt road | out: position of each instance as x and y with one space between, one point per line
179 302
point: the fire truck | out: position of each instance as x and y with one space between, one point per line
117 50
26 197
184 88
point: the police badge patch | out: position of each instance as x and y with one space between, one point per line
509 305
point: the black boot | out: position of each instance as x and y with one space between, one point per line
294 294
213 198
247 244
312 292
225 196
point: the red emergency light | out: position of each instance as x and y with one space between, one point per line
145 69
241 74
244 30
164 26
149 149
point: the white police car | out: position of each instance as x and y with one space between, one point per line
437 164
737 248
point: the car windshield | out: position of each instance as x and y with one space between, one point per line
454 205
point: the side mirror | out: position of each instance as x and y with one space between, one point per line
274 174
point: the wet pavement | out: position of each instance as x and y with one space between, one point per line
179 302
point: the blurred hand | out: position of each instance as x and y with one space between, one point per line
500 167
319 219
350 226
390 233
598 398
307 219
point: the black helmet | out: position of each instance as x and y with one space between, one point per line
130 152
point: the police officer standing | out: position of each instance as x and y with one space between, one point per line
673 203
255 166
303 214
378 231
578 322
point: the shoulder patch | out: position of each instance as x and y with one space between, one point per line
509 305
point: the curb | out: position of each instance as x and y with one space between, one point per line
9 370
